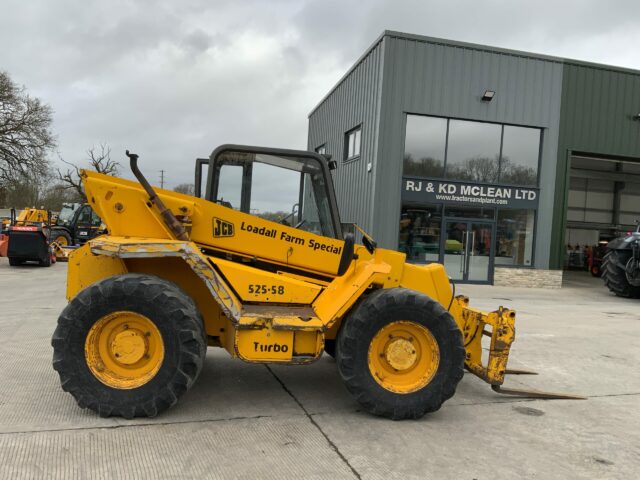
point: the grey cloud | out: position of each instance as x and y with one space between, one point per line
172 80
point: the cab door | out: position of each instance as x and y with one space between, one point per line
88 224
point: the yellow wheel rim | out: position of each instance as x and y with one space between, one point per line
124 350
403 357
61 240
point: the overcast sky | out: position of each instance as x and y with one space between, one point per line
171 80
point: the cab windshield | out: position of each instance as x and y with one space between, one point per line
66 214
283 188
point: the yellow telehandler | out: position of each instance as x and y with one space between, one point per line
178 273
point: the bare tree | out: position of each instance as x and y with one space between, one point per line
99 158
422 167
186 188
42 190
25 133
517 174
476 169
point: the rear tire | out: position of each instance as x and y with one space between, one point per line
410 311
179 352
614 276
15 262
47 260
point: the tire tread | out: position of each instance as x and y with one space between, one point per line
130 288
358 326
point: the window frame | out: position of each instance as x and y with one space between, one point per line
347 135
215 162
534 233
446 150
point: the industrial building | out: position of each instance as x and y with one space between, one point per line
506 166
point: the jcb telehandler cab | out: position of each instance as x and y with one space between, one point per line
259 267
76 223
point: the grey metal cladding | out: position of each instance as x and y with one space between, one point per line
435 77
354 101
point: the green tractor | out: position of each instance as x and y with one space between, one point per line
621 265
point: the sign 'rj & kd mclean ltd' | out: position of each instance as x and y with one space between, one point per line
482 195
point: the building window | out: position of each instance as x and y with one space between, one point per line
471 151
352 143
520 155
322 149
425 146
420 232
514 237
464 211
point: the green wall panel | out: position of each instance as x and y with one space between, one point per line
596 118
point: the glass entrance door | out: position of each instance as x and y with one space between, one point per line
467 250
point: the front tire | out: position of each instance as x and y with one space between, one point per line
400 354
61 237
614 276
129 345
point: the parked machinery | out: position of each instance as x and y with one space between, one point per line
621 265
176 273
27 237
596 256
76 223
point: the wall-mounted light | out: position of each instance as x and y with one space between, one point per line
636 117
488 95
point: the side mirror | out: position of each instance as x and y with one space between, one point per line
369 244
347 254
348 228
331 163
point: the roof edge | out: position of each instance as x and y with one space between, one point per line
471 46
520 53
350 71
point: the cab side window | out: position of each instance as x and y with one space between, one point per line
84 217
96 221
275 193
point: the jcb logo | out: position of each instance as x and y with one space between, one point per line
222 228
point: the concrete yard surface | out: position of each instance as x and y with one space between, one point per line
255 421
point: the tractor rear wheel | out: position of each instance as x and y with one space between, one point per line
400 354
614 275
129 345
